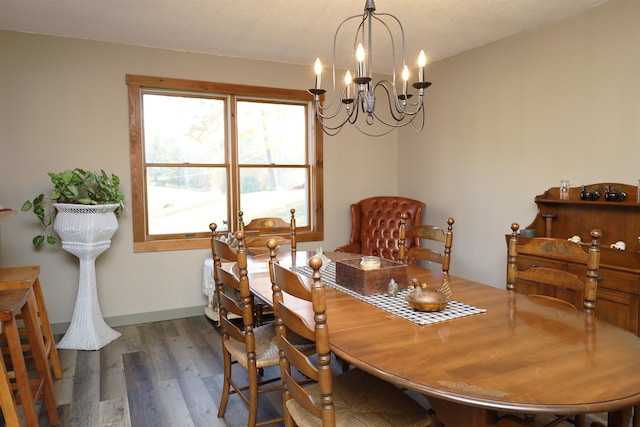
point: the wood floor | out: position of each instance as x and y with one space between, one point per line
156 374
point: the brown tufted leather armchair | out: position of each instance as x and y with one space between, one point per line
375 223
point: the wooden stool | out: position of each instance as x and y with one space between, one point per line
14 302
7 401
27 277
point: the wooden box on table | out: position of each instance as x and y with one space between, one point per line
351 275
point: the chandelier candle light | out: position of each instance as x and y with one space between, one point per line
356 101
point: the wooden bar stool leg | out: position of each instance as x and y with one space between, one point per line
16 303
7 401
49 342
30 318
20 371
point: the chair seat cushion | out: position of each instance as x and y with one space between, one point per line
362 400
266 347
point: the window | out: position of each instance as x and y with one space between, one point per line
200 152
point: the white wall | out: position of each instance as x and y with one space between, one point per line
63 104
511 119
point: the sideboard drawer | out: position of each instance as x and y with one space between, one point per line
611 279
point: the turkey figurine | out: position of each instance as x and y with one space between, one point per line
421 298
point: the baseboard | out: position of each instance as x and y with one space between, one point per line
134 319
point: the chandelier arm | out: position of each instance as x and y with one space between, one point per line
326 116
417 104
402 112
326 127
356 38
418 129
333 65
392 40
393 45
400 121
364 131
331 130
400 108
353 117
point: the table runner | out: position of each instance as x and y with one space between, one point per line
396 305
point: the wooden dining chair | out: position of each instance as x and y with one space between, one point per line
257 233
551 284
555 286
411 255
254 348
260 230
353 397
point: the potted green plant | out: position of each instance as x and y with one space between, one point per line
75 186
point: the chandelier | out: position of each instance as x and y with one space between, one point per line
356 102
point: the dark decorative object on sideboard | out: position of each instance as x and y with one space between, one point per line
614 195
593 194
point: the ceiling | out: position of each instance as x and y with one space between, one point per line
290 31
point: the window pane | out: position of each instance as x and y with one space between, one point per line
273 192
186 200
179 129
271 133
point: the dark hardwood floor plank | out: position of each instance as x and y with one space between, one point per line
170 328
64 386
114 413
67 361
84 413
188 357
129 341
211 338
236 414
112 380
145 405
199 349
190 379
86 379
154 341
172 399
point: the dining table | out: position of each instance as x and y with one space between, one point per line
509 354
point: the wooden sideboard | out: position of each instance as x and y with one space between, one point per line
618 296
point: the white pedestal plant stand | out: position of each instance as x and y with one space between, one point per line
86 231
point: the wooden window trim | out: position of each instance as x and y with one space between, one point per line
135 84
